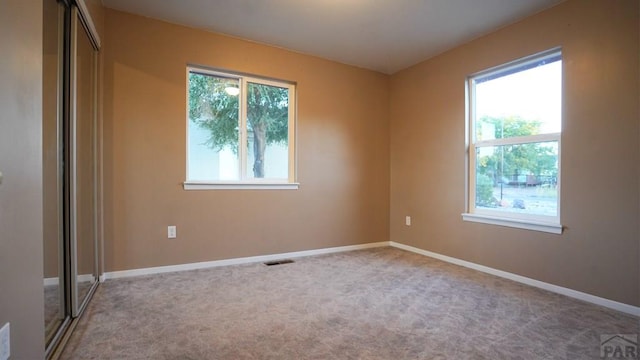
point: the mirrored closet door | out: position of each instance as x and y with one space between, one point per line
55 313
83 163
71 165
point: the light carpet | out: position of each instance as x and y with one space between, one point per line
379 303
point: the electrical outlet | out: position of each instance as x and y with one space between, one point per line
5 342
171 234
407 220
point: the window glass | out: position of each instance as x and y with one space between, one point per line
519 178
532 95
213 128
268 130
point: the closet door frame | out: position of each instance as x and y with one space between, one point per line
81 21
74 19
53 335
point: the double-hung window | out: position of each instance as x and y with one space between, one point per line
240 131
514 124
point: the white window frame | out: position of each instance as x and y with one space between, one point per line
550 224
245 182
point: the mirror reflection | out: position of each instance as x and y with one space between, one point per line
85 171
52 167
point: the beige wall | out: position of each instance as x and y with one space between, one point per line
343 152
21 297
345 118
599 250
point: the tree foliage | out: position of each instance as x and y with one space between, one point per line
507 162
212 108
484 191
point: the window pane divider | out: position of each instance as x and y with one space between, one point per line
243 129
517 140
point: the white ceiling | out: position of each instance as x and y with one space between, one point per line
381 35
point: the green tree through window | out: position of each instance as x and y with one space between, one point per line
214 108
507 162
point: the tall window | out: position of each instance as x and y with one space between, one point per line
240 131
514 143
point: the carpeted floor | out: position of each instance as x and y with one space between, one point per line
381 303
53 315
51 306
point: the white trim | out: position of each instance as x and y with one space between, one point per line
190 185
291 136
81 278
519 140
541 56
243 142
611 304
51 281
514 223
237 261
86 278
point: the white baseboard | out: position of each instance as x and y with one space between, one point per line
51 281
625 308
86 278
235 261
81 278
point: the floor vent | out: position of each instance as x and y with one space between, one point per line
278 262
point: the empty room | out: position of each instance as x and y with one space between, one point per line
323 179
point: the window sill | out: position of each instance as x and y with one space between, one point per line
191 185
514 223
